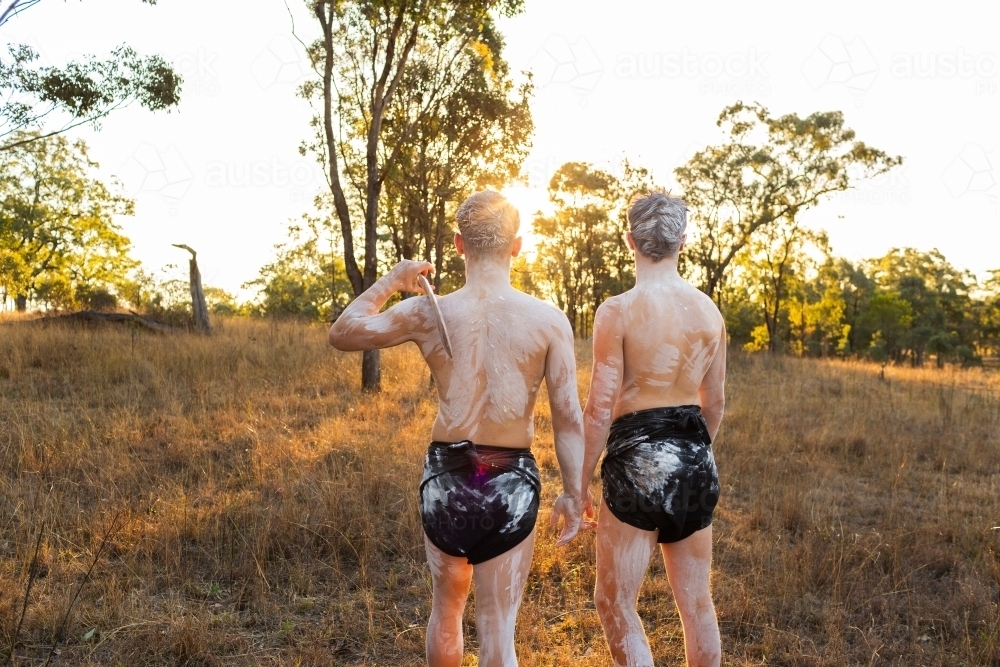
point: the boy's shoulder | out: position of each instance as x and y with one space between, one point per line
546 311
704 302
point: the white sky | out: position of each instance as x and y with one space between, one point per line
641 80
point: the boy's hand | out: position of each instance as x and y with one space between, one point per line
404 275
567 507
589 521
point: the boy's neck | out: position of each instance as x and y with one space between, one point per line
491 273
648 271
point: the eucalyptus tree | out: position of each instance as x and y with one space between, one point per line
39 101
766 173
476 136
58 231
582 255
361 60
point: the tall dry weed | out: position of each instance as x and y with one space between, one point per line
270 517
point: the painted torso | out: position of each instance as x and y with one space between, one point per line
500 341
670 335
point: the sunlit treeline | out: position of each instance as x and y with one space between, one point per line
779 284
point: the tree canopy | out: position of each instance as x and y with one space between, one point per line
582 256
59 241
368 52
767 171
476 136
39 101
307 278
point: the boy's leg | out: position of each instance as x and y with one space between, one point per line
499 587
623 554
689 564
452 577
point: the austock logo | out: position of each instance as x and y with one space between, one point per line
973 171
947 65
733 73
163 172
889 189
561 62
835 62
280 62
302 178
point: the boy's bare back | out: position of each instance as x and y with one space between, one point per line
501 344
504 343
670 337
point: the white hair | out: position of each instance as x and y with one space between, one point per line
657 222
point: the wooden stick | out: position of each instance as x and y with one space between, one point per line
442 329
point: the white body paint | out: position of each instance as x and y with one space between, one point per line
504 344
488 392
671 334
660 344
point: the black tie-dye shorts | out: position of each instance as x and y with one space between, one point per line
478 502
659 472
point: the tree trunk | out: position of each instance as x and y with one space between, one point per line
324 13
440 234
379 96
21 303
772 343
198 306
770 327
371 371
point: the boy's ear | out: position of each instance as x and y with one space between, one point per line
459 243
515 249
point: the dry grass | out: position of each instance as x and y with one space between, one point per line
269 512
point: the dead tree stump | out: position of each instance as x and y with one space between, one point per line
198 306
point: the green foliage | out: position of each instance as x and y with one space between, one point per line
95 298
168 299
58 235
221 302
900 308
307 279
582 257
14 273
772 267
79 93
939 297
889 315
769 170
742 318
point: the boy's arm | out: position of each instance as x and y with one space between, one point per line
605 383
712 390
362 327
567 425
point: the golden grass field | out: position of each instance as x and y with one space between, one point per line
255 509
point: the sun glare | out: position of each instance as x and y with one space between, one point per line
528 201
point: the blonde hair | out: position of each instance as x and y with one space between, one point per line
488 222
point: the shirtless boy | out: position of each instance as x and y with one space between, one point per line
656 401
480 490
